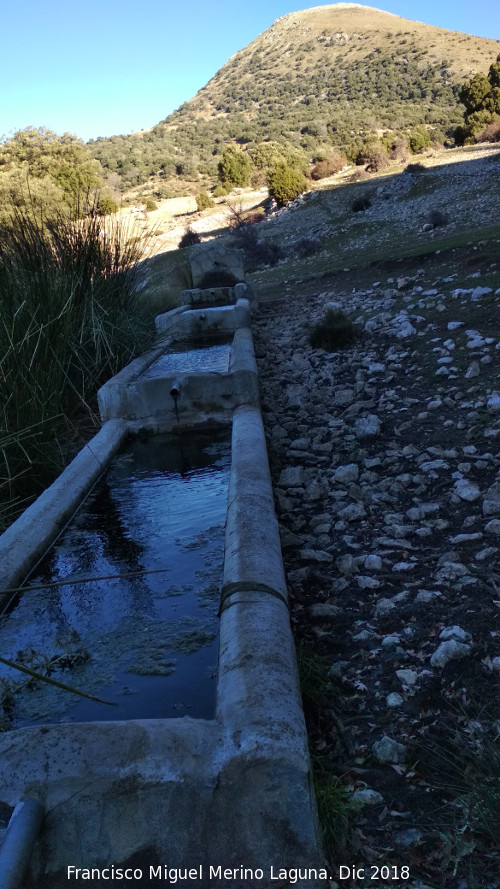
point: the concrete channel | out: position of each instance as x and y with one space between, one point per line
229 799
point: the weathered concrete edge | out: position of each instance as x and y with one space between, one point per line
35 530
148 403
184 322
259 706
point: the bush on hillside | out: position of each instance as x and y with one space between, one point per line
334 331
217 278
150 204
285 184
419 139
234 168
373 155
491 133
306 246
219 191
106 205
203 201
328 167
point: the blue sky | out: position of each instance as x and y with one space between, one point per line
104 67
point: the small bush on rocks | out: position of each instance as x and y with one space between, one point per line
415 168
285 184
189 238
306 246
150 204
437 218
258 254
335 331
360 204
419 139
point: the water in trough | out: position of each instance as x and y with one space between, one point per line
146 642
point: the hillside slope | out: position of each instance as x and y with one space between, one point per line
315 78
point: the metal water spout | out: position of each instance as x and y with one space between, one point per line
175 390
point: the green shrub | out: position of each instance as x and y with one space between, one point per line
419 139
204 201
106 205
69 322
335 331
234 168
150 204
285 184
258 254
219 191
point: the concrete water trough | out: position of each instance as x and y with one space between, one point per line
230 797
202 370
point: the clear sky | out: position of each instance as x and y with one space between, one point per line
105 67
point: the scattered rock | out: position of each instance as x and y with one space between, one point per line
449 651
388 750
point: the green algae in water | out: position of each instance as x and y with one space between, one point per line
192 641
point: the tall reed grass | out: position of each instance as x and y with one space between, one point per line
69 320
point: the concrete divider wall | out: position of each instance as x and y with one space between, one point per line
28 538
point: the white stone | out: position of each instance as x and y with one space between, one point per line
389 750
384 607
407 677
373 562
352 512
493 403
292 477
449 651
345 564
493 527
367 583
455 633
467 490
424 596
394 699
478 292
366 427
367 797
347 473
473 370
491 502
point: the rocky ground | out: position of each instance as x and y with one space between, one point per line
385 459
